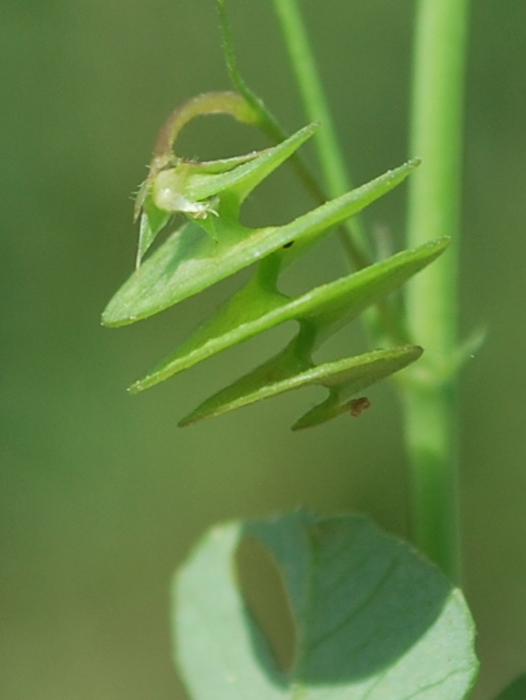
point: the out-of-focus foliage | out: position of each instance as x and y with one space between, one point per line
101 496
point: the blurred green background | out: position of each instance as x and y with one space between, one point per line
101 494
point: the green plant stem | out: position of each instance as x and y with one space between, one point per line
431 301
383 322
267 121
332 164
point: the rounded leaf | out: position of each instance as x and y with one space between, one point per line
374 620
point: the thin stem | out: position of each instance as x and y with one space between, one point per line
383 322
431 301
330 156
267 121
206 103
353 245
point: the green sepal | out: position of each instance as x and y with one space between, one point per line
152 221
188 186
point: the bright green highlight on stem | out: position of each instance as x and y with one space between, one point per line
431 301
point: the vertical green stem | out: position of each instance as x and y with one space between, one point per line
430 392
332 162
432 305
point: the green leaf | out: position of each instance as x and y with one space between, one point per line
255 309
214 245
347 378
288 370
186 263
515 691
190 261
374 620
